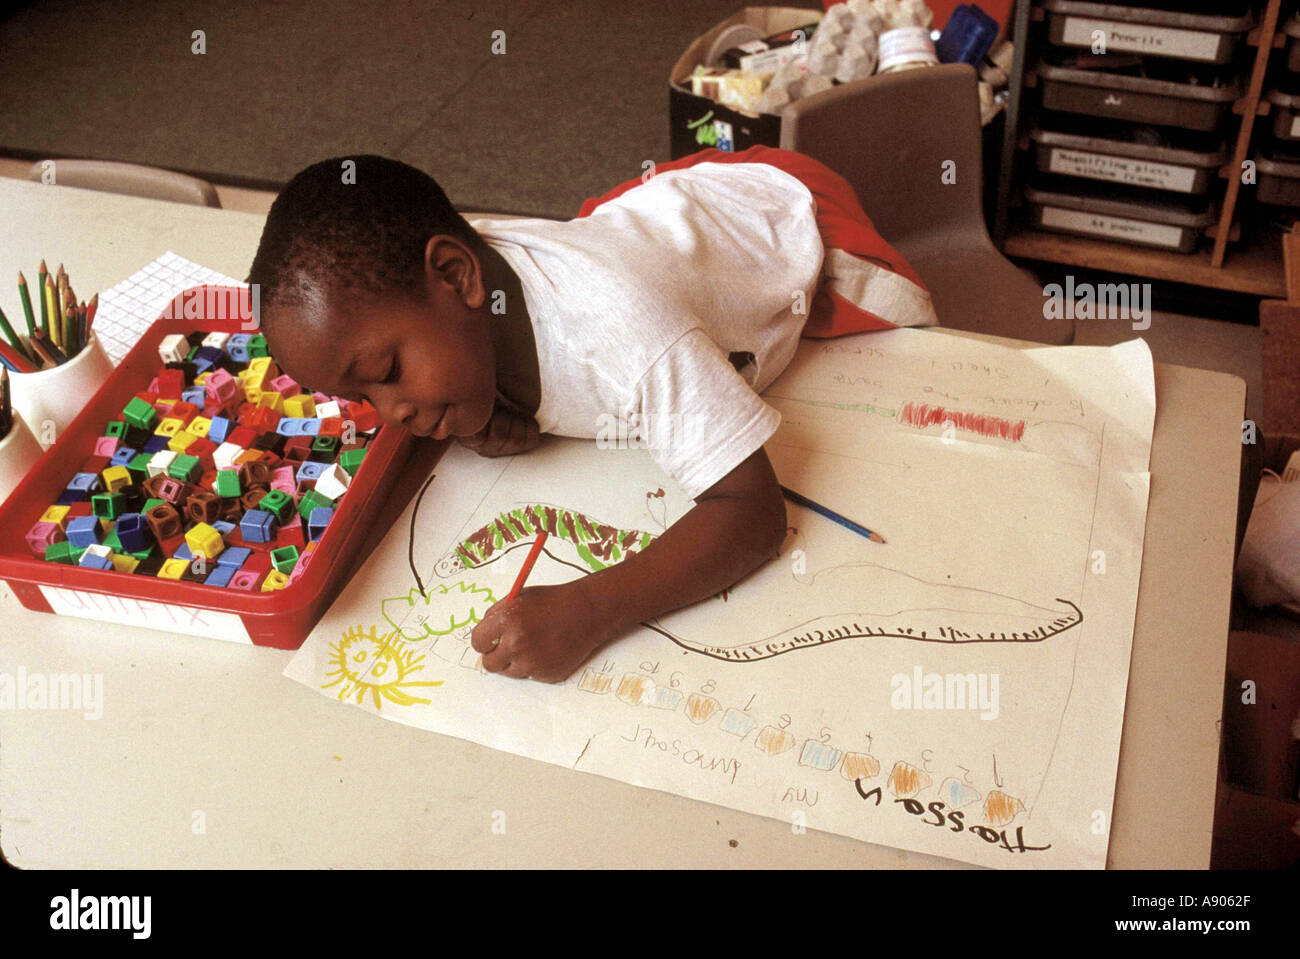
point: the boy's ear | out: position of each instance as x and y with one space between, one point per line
448 259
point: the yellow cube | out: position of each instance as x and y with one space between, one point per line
181 441
248 456
204 540
56 515
115 477
172 568
274 580
253 394
169 426
271 400
200 425
264 366
300 405
125 564
202 378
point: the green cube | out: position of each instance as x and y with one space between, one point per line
112 542
139 464
63 552
311 500
115 428
189 357
107 505
351 461
228 483
149 504
185 468
257 346
276 502
140 414
285 558
323 447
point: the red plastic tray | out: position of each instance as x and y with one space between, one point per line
282 618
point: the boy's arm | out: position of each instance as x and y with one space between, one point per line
548 631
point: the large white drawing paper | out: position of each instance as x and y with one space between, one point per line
957 690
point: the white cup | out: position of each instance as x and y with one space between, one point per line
19 451
51 399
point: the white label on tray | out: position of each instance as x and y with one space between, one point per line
1099 166
1118 227
1295 125
1141 38
169 617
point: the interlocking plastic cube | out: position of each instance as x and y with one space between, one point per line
274 580
228 482
221 387
87 483
311 500
310 426
223 457
234 556
83 531
163 521
92 561
200 426
318 520
328 409
124 564
298 404
123 456
245 579
258 526
310 470
217 339
132 532
324 447
223 527
55 515
185 468
220 576
333 482
43 535
139 465
255 474
155 443
257 346
116 428
116 477
108 505
203 506
285 559
276 502
289 425
271 400
63 552
140 414
174 348
237 347
171 490
195 395
107 446
219 429
351 461
161 462
173 569
169 426
204 541
169 383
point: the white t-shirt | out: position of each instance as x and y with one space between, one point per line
644 310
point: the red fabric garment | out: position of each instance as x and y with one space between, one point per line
844 226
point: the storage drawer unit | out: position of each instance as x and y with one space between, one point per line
1162 225
1149 32
1112 157
1123 97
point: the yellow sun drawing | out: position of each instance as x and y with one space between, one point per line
364 662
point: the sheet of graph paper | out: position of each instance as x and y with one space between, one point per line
129 308
957 690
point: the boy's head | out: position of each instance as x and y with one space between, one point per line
371 285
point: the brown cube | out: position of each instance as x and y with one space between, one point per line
172 490
251 497
203 507
164 521
255 473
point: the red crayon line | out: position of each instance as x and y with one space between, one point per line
528 566
923 415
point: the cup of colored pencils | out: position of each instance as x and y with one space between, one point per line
63 329
57 364
18 447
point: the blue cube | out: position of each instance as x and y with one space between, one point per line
223 526
258 526
219 429
184 552
123 456
234 556
155 443
91 561
310 425
196 395
237 347
133 532
87 482
318 520
220 576
289 426
83 531
310 470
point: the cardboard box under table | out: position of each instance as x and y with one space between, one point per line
281 618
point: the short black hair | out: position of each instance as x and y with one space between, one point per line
359 226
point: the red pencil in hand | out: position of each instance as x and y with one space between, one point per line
528 566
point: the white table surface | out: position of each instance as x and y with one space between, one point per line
283 776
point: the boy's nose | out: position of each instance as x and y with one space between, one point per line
403 413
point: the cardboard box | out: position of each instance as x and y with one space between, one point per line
697 123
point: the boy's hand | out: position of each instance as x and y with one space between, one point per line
506 434
544 633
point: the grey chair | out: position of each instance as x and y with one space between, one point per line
129 178
890 136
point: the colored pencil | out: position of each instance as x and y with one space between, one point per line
47 343
831 515
529 562
10 335
91 309
41 275
54 327
6 405
18 362
38 352
27 303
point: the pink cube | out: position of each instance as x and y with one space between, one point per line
245 579
320 397
42 535
285 385
107 445
221 387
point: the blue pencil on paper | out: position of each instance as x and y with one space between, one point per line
831 515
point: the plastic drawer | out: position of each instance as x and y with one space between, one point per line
1117 96
1108 156
1278 180
1121 217
1205 38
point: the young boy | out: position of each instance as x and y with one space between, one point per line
669 305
